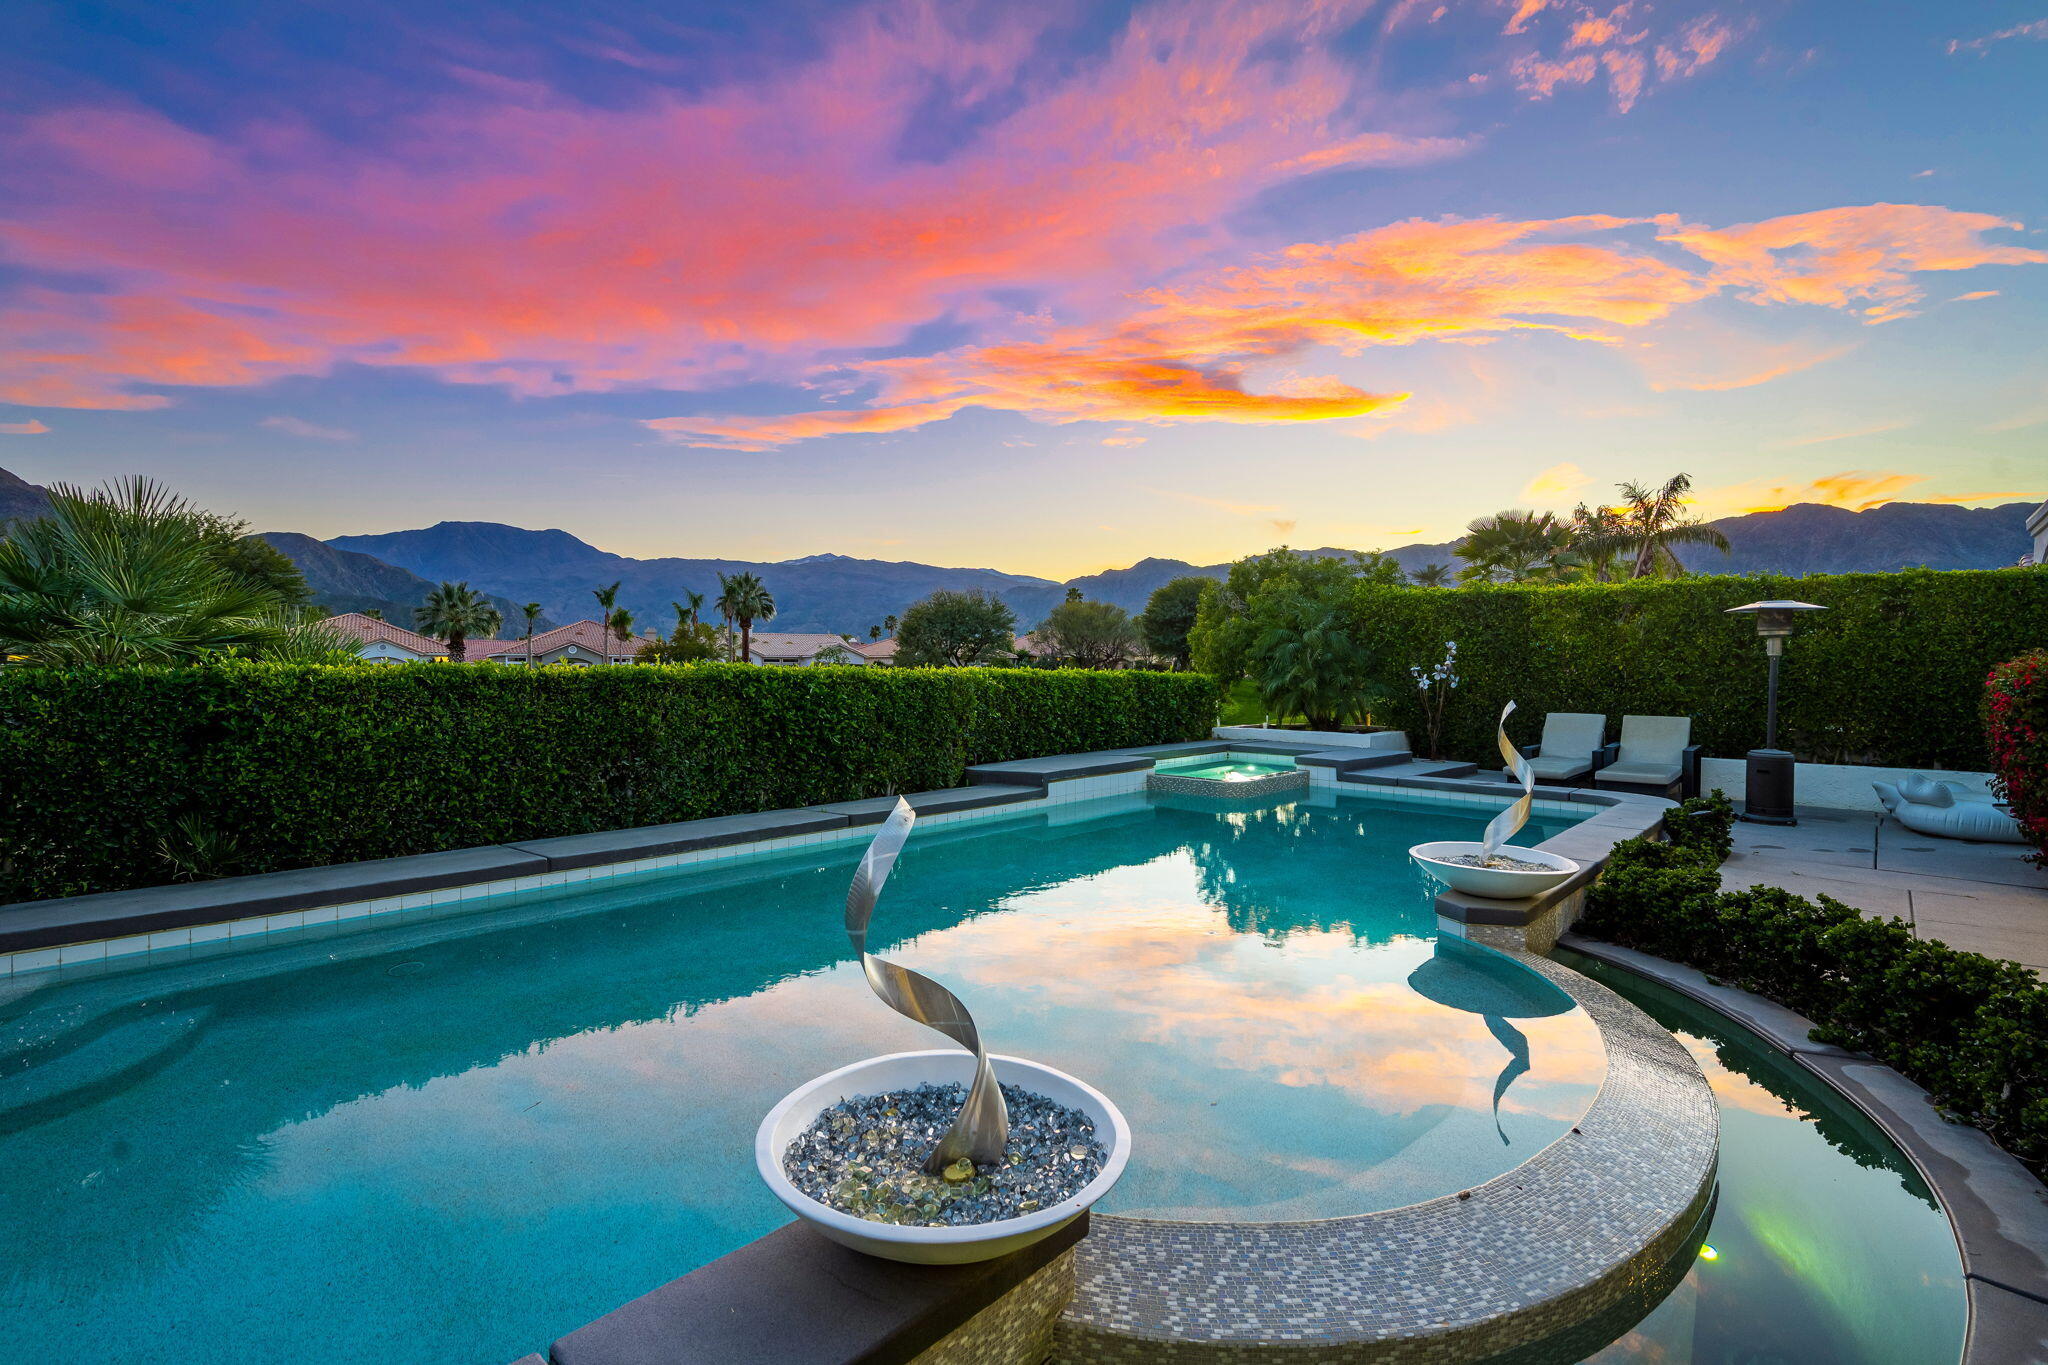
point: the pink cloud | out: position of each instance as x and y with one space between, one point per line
32 427
518 239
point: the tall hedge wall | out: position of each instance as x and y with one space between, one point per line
1892 673
303 766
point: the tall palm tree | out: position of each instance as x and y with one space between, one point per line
621 622
1431 576
728 600
1517 547
751 602
888 625
607 598
695 601
531 611
122 575
454 612
874 632
1654 520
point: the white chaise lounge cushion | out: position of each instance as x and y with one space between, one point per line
1569 741
1652 751
1948 810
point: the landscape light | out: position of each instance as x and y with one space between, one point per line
1768 786
1707 1253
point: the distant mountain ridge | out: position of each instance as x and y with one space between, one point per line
836 593
825 592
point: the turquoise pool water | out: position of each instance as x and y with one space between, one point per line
1226 768
1827 1248
453 1139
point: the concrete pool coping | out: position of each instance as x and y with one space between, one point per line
66 931
1510 1262
1995 1207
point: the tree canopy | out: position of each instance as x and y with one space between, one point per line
1169 615
953 629
1089 634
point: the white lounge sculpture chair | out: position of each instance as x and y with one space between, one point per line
1656 755
1574 744
1948 810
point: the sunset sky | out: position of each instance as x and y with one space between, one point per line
1044 287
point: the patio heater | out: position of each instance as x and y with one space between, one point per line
1768 787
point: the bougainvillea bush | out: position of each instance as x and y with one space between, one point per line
2016 728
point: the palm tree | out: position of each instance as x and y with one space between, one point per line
696 604
1653 521
751 602
727 596
1597 535
874 632
1517 547
531 611
888 625
122 575
621 622
1431 576
454 612
607 598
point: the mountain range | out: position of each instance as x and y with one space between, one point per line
835 593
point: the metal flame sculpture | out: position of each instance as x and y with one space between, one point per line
1502 827
983 1125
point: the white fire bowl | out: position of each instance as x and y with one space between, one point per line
1498 883
901 1071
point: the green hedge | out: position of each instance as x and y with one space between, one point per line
2016 724
1890 674
1970 1029
303 766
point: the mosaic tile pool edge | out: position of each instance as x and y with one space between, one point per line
1514 1261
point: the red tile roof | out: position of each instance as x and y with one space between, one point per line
372 631
590 636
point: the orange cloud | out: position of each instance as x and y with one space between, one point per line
1596 43
1975 294
1558 481
31 427
1852 488
1850 257
1187 352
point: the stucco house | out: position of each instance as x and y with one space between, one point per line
384 643
2037 531
798 650
579 642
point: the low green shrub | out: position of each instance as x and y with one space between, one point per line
2016 726
1971 1030
282 766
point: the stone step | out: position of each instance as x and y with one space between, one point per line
1410 767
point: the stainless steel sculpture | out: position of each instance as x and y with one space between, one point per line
1502 827
983 1125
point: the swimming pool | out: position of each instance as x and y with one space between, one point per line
1225 767
456 1138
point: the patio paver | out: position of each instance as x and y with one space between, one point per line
1982 898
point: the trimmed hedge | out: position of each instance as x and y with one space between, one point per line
2016 725
303 766
1890 674
1970 1029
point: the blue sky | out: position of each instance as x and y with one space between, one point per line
1046 292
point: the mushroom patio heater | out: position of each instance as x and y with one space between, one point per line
1768 787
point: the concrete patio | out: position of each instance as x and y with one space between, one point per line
1984 898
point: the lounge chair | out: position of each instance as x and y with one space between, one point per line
1656 755
1574 744
1948 810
